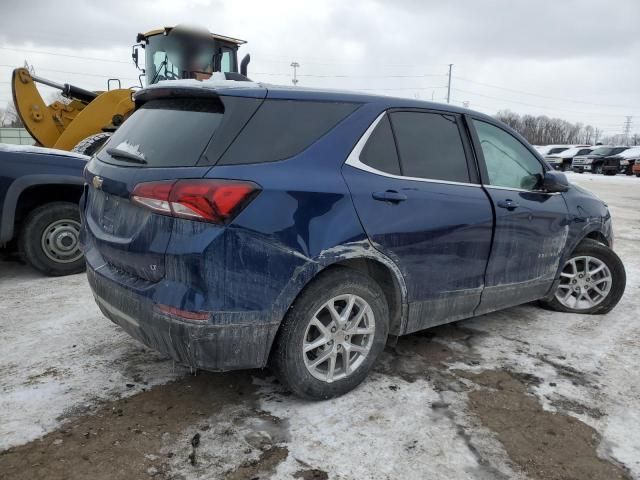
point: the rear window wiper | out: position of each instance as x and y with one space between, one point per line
124 155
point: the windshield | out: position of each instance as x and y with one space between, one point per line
601 151
570 152
630 153
176 56
557 150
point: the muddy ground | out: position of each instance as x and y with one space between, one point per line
523 393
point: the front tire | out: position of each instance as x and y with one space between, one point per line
592 281
49 237
332 335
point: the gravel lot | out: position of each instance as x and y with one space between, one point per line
522 393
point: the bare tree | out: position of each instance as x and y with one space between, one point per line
10 117
542 130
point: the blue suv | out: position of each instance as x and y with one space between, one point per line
233 225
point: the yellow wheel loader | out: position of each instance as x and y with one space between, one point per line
85 123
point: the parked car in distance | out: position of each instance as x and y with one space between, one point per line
622 162
594 161
39 193
545 150
635 170
562 160
238 225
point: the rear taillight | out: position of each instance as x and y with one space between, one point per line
216 201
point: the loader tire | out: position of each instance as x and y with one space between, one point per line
92 144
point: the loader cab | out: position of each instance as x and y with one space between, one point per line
177 53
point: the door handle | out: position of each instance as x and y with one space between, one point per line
389 196
508 204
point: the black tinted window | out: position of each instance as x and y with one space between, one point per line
430 146
165 133
283 128
380 150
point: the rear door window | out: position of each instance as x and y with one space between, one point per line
281 129
430 146
165 133
380 150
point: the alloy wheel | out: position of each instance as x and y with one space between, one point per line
338 338
584 283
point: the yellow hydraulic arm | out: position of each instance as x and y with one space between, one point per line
64 126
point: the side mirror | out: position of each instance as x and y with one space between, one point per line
134 54
554 182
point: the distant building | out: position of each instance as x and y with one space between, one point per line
16 136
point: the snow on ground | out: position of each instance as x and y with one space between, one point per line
60 355
59 358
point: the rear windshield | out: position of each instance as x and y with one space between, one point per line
165 133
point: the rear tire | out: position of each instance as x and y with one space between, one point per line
604 255
92 144
292 359
48 239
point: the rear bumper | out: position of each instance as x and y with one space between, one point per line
229 345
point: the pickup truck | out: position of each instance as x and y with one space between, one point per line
39 193
594 161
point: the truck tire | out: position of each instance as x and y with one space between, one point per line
597 169
332 335
592 281
48 239
92 144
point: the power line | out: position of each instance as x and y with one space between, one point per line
40 52
541 96
73 73
544 107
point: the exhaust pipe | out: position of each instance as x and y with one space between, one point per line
243 64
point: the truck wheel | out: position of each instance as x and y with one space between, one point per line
592 281
331 336
48 239
638 175
597 169
92 143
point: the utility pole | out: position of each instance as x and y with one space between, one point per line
449 87
627 128
295 66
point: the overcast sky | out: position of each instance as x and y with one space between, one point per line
573 59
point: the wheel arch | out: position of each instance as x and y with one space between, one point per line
362 257
28 192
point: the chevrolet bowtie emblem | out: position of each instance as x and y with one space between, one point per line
97 182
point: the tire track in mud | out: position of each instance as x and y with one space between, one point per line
544 445
211 425
152 434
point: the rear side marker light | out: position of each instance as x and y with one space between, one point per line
215 201
182 314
